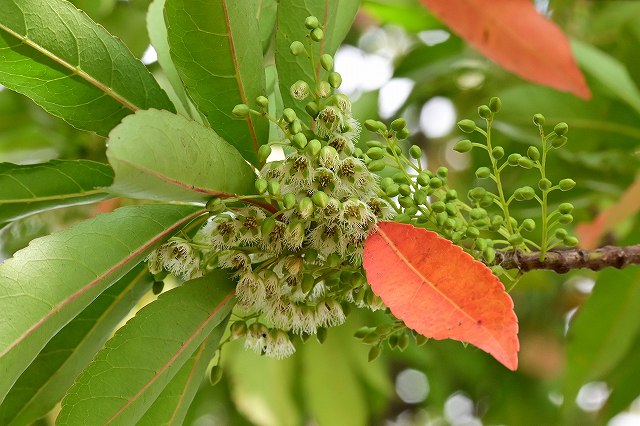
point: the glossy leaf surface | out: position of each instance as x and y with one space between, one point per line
68 261
71 66
120 385
158 155
441 291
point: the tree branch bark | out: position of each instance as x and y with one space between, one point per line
563 261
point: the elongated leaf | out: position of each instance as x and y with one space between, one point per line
216 47
29 189
70 66
53 371
441 291
47 284
603 330
535 49
624 381
173 403
335 16
141 359
267 21
158 155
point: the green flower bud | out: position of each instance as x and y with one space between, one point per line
463 146
402 134
415 152
334 259
435 183
513 159
376 165
451 194
311 22
486 201
570 241
297 48
264 152
544 184
374 353
362 331
484 112
289 115
525 163
497 220
442 172
472 232
215 375
307 283
477 213
515 239
405 189
268 224
489 254
289 200
420 196
273 187
533 153
477 193
312 109
374 143
561 233
305 207
295 127
157 287
466 125
392 190
313 147
538 119
323 89
565 208
406 202
525 193
559 142
299 140
238 329
528 225
216 205
495 104
423 179
317 34
261 185
400 178
392 149
371 125
451 209
402 218
497 152
403 341
565 219
438 206
566 184
398 124
386 182
441 218
326 61
481 244
376 153
241 110
450 223
561 129
262 101
483 172
335 80
481 223
300 90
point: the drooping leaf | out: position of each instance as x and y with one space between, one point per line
127 376
46 285
170 408
603 330
47 379
335 16
158 155
624 381
215 45
267 21
535 48
441 291
29 189
70 66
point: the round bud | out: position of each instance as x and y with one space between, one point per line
565 219
561 234
538 119
157 287
570 241
495 104
442 172
525 163
241 110
406 202
398 124
490 255
515 239
335 80
297 48
421 196
289 115
317 34
544 184
300 90
405 189
561 129
392 190
423 179
262 101
371 125
566 184
215 375
467 125
238 329
513 159
435 183
472 232
264 152
273 187
525 193
528 225
261 185
299 140
477 193
320 199
497 152
373 143
483 172
477 213
565 208
386 182
311 22
486 201
484 112
295 127
559 142
415 152
268 224
305 207
326 61
313 147
376 165
402 134
376 153
402 218
463 146
323 89
312 109
451 195
438 206
289 200
533 153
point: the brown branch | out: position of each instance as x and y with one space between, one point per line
562 261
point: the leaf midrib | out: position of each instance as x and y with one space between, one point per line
53 197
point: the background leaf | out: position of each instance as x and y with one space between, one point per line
47 379
215 45
68 262
158 155
141 359
535 49
441 291
29 189
72 67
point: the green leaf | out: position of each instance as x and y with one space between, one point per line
604 329
46 285
129 374
336 17
215 45
173 403
267 22
158 155
72 67
53 371
624 381
410 15
29 189
607 71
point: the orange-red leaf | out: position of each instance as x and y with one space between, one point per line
513 34
440 291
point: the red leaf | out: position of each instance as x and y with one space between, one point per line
440 291
513 34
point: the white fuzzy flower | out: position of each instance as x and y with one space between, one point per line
329 313
179 258
278 345
257 335
303 320
250 292
328 121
